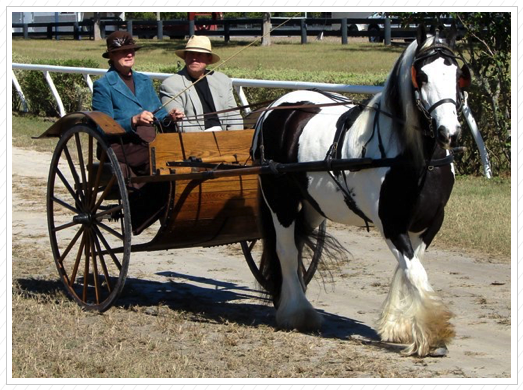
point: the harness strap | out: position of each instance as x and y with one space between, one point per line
344 123
375 127
442 101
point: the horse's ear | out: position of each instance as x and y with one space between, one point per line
421 35
451 35
465 77
414 77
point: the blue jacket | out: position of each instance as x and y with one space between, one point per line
112 97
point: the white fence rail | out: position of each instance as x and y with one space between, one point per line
238 85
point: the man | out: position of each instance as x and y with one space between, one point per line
195 105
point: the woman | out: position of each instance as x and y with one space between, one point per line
130 99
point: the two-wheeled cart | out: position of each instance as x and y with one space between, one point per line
206 182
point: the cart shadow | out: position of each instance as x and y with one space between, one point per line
219 300
209 300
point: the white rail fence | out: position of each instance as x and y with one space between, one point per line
238 85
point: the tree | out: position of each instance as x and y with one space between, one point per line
485 46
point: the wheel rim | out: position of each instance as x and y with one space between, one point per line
89 219
252 249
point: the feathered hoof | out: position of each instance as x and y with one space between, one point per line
439 351
304 321
413 349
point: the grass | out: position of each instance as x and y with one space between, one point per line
27 126
478 217
321 61
137 343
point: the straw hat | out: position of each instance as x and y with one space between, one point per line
199 44
120 40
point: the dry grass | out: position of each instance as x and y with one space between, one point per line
478 218
156 342
164 336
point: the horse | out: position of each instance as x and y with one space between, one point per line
409 131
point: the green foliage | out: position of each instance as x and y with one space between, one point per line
226 15
72 88
140 16
486 47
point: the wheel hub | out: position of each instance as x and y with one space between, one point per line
85 219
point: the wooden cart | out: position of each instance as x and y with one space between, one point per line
211 197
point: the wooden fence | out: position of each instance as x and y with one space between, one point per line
378 30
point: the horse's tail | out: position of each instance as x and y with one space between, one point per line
309 242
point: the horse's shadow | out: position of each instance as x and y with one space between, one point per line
211 300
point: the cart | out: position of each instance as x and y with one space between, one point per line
209 196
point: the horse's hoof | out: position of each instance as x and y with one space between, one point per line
439 352
304 321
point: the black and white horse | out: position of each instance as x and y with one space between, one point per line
411 125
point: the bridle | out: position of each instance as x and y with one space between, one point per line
443 51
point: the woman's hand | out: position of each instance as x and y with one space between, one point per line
145 118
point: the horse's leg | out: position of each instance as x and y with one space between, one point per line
413 313
294 310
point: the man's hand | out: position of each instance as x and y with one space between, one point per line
176 114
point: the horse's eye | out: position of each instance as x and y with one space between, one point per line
422 78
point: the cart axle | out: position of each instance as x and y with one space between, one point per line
84 219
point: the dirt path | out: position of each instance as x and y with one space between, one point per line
477 292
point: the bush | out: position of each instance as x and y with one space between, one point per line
486 47
72 89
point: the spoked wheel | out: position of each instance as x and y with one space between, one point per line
89 219
311 255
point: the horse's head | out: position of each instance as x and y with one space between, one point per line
438 81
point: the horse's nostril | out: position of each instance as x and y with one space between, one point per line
443 132
444 137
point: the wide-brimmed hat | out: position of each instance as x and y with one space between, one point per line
120 40
199 44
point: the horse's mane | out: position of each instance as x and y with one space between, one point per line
396 101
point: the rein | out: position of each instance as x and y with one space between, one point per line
220 65
168 121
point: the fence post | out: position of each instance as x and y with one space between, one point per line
102 30
266 28
130 27
57 37
55 93
76 29
227 32
97 27
303 28
387 32
483 153
191 28
159 34
26 31
19 91
344 39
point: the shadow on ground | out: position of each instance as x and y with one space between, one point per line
211 300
